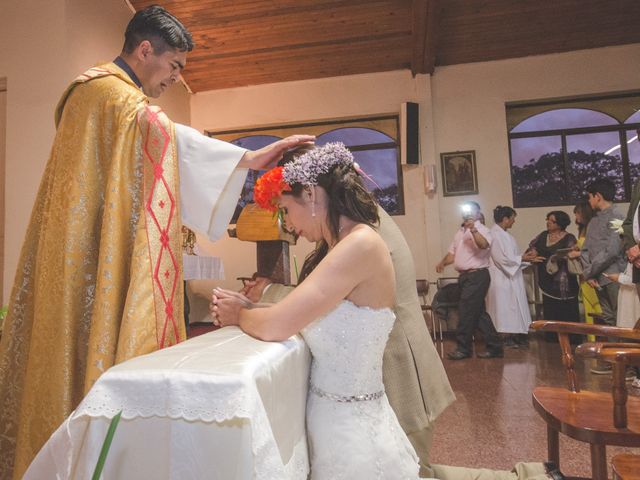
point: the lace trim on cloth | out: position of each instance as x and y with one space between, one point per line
197 400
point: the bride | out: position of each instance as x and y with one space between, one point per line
342 307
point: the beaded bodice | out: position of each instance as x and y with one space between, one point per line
347 346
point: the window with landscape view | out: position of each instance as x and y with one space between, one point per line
372 140
558 148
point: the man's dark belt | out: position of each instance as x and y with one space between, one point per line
471 270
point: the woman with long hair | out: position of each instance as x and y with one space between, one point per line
342 306
583 214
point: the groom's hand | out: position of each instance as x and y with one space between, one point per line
254 287
268 156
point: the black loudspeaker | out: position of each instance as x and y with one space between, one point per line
412 126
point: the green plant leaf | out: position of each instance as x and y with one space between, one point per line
106 445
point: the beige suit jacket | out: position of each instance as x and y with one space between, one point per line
415 381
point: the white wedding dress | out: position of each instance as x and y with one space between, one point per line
353 432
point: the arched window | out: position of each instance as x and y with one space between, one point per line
557 152
633 144
373 142
250 142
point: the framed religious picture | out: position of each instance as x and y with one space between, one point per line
459 176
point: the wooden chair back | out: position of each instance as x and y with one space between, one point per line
563 329
620 355
422 286
597 418
625 466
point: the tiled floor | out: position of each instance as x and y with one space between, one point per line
493 424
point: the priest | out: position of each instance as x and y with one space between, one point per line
99 278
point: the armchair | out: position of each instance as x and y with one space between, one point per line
583 415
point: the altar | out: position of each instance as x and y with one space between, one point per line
219 406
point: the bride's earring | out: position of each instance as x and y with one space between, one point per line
313 201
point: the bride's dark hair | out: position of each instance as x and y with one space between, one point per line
346 196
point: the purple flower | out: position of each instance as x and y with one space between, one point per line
306 168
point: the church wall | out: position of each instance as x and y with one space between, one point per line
469 114
462 108
3 129
43 46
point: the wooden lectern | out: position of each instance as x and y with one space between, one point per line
272 242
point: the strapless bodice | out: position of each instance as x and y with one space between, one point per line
347 346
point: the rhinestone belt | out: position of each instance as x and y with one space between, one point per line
345 398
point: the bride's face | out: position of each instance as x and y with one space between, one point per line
298 214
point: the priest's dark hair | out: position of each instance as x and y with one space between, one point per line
346 195
500 212
158 26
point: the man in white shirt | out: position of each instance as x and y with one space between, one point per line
470 253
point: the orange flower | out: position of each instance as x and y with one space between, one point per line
268 188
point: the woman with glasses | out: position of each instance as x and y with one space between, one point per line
557 282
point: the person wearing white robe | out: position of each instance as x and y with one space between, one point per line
507 299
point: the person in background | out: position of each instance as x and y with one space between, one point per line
631 233
558 285
602 253
470 253
507 303
628 301
628 311
583 214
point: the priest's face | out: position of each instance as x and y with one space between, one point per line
160 71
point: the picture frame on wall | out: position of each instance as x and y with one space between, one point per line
459 173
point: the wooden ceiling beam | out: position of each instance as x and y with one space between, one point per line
425 15
337 45
249 42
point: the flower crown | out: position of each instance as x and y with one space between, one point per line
304 170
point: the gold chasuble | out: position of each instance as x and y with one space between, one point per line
100 275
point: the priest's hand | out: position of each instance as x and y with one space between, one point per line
226 305
267 157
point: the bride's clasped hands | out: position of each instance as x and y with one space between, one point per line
226 305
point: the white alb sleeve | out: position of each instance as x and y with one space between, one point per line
210 183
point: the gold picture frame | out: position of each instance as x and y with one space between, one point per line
459 173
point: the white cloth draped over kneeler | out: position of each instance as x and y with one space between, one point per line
219 406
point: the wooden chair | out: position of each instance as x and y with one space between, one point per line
625 466
422 286
588 416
